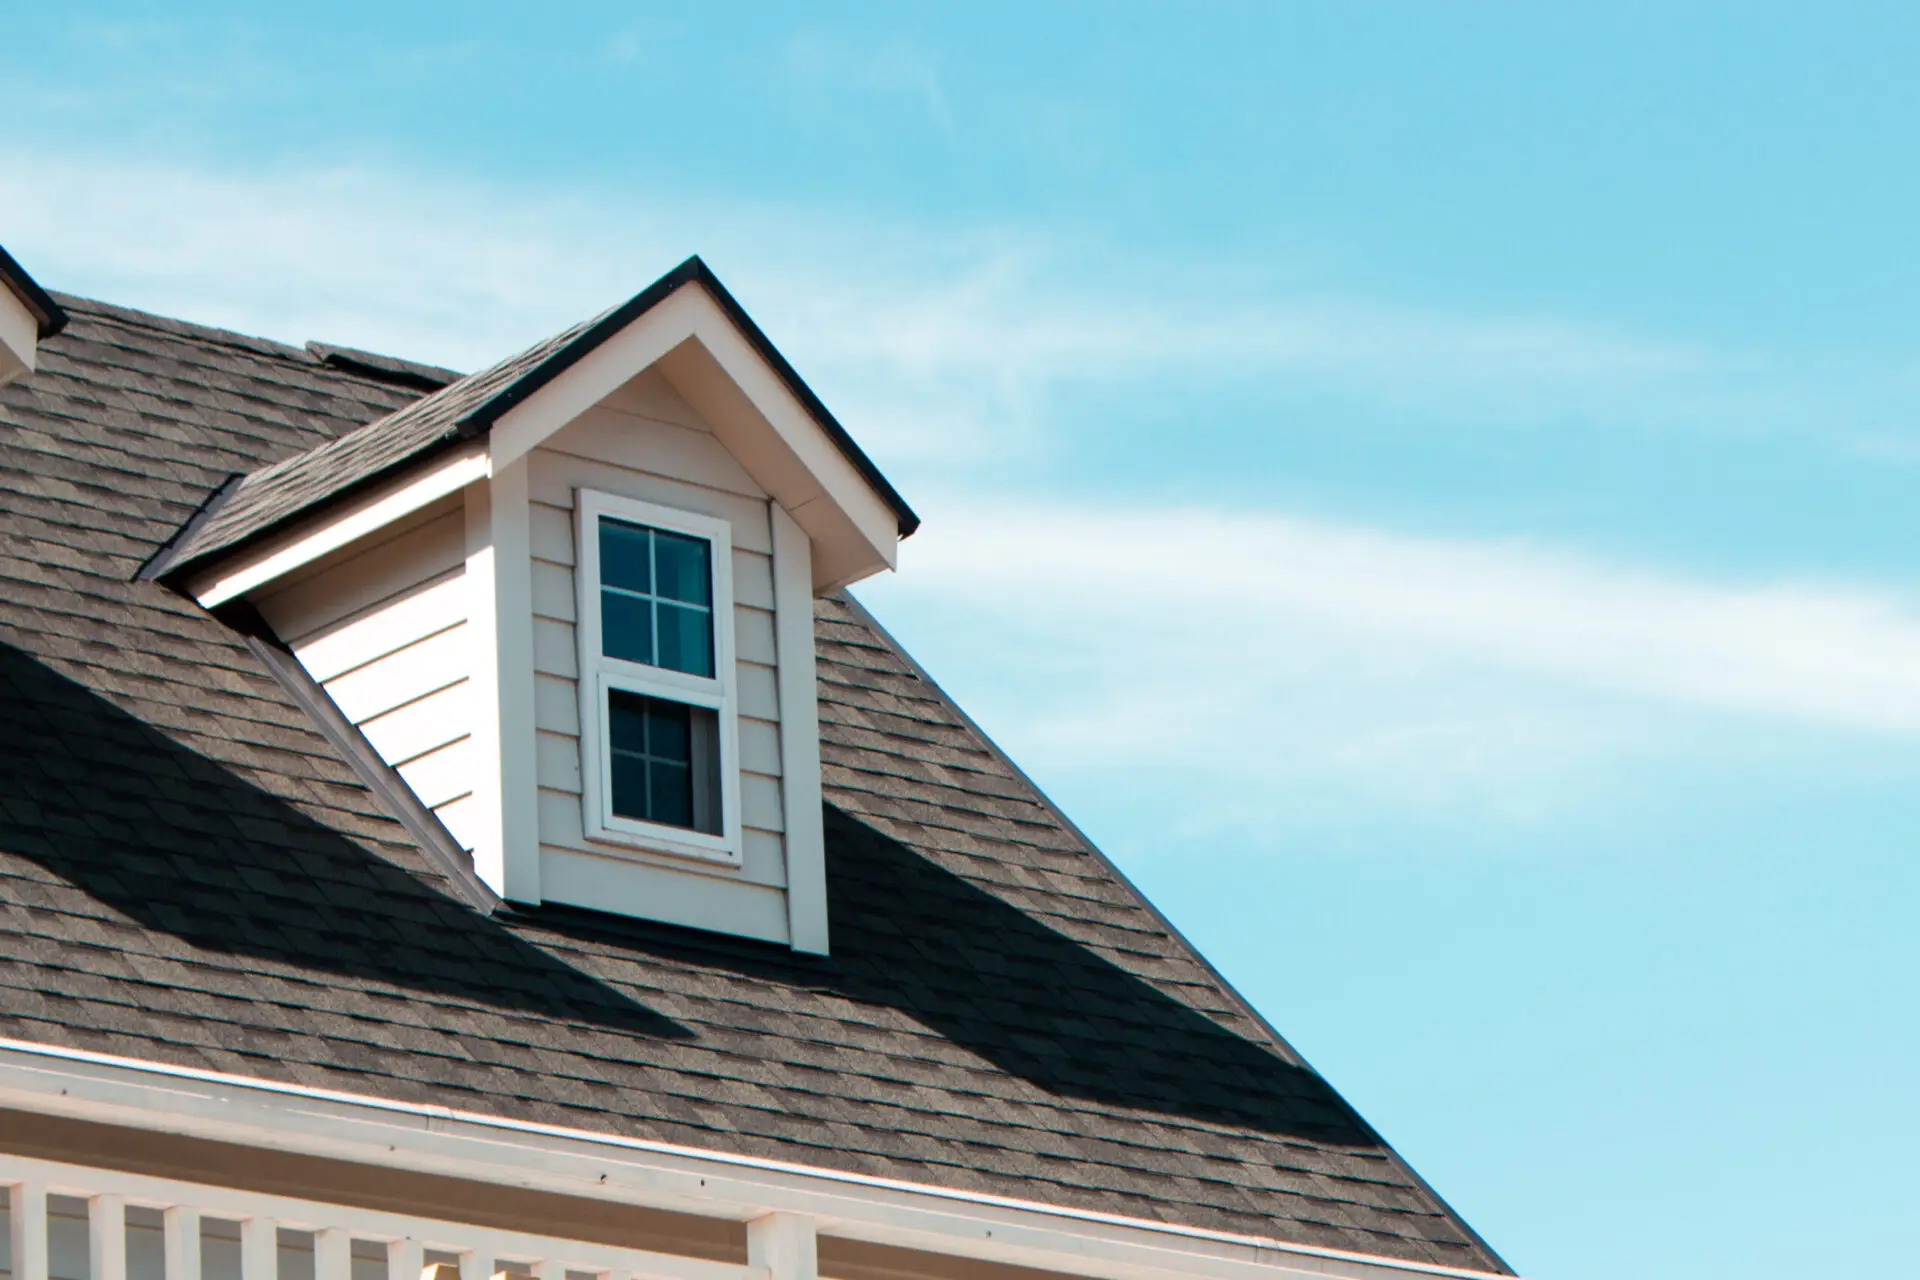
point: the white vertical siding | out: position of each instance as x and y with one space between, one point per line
383 629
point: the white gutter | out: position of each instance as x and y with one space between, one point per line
433 1139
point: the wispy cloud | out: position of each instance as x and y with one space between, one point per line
940 344
1227 649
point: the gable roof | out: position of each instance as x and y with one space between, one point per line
275 496
191 874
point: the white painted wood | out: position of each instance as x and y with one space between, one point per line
506 852
406 1258
759 692
423 725
753 579
259 1248
637 886
556 708
760 746
555 476
107 1237
799 725
367 575
463 820
430 1138
553 591
389 502
27 1229
332 1254
180 1225
760 802
404 675
761 860
473 1266
422 611
785 1244
603 434
555 651
441 776
19 338
753 635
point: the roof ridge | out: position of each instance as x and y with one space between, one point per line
114 312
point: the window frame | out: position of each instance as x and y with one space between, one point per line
599 674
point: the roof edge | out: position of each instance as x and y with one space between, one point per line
47 314
1280 1042
694 271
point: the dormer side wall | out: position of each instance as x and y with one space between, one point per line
382 626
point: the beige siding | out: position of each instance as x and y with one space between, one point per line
382 627
645 443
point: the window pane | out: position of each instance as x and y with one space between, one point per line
686 639
665 760
667 730
629 785
671 793
624 561
684 569
627 722
626 627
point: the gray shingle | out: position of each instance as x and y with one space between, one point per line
189 874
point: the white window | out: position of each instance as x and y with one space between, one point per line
657 711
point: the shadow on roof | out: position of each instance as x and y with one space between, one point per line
911 936
180 845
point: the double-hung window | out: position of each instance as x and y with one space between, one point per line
658 734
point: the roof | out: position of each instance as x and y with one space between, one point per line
190 874
277 495
47 315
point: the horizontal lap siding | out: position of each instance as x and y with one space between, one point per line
384 632
658 454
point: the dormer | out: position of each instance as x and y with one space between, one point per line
568 600
27 315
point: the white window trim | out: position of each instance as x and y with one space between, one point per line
599 673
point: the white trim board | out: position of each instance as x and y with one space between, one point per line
432 1139
335 529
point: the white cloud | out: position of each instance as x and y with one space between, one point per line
1284 651
936 344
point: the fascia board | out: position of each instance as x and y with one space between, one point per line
303 545
777 441
19 338
426 1138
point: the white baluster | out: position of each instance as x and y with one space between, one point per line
107 1237
404 1259
548 1269
27 1218
180 1229
473 1266
785 1244
333 1254
259 1249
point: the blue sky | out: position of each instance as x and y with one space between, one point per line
1426 488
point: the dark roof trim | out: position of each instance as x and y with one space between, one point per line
401 804
692 271
163 560
389 369
45 310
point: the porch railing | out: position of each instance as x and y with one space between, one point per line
73 1222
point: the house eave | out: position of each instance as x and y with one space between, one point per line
427 1138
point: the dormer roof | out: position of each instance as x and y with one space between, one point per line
193 874
277 497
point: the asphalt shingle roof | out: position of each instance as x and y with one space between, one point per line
190 874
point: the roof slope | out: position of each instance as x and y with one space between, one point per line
274 496
189 874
